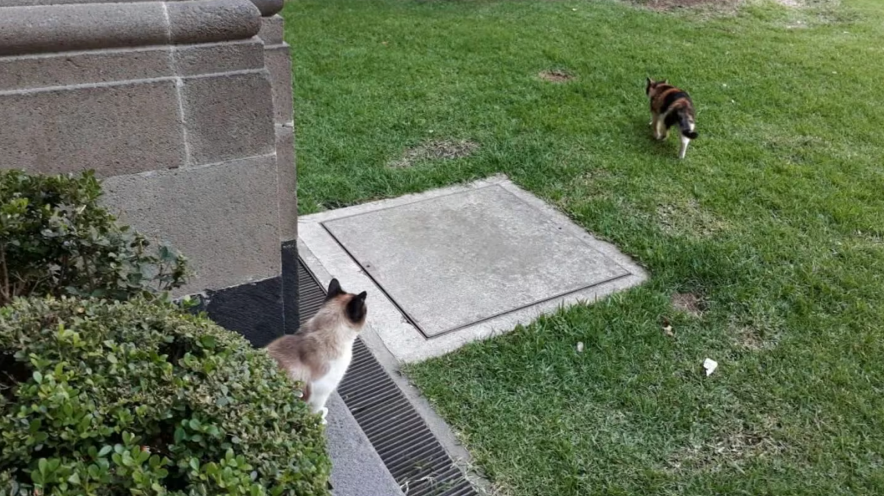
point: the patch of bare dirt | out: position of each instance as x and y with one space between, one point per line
677 4
680 216
752 339
809 3
740 446
867 239
688 303
436 150
727 6
556 76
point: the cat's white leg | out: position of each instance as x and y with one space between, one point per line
317 403
660 131
655 125
322 411
684 146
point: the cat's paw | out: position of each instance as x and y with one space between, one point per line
324 412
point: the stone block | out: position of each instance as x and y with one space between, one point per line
279 64
89 25
210 58
272 30
228 116
114 129
288 183
205 21
31 3
94 66
14 3
222 217
268 7
58 28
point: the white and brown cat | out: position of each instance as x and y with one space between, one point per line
320 352
671 106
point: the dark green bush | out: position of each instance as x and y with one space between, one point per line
55 238
106 398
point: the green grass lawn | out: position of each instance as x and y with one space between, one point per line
775 219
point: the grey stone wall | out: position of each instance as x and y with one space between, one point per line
183 107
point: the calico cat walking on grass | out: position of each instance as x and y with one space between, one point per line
671 106
320 353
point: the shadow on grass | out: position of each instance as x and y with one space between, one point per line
642 137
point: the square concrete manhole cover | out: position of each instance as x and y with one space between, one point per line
452 260
459 259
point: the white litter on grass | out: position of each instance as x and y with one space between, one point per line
710 365
580 347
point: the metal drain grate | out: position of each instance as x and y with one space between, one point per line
397 432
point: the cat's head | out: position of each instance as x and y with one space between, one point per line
352 306
652 85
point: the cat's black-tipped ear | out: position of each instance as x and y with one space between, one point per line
356 309
334 289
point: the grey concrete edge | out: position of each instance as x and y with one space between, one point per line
437 425
357 469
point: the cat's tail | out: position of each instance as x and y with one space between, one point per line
686 126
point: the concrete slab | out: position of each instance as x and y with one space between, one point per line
459 259
450 266
357 470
